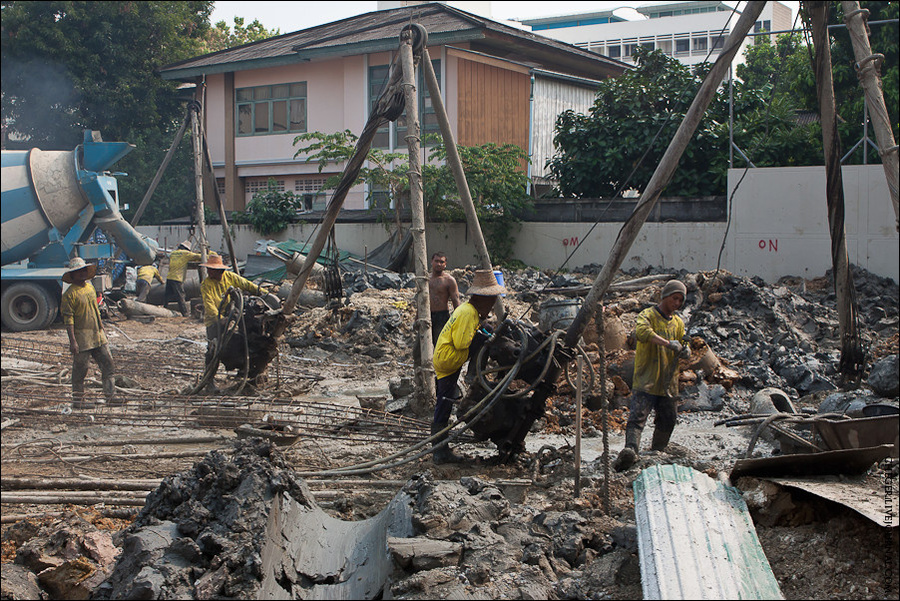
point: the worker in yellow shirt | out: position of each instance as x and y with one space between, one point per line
213 290
87 339
459 341
178 262
145 276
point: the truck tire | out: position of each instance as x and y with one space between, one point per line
27 306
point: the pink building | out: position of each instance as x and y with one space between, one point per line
499 84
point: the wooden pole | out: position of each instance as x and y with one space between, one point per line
664 171
456 167
578 397
852 357
198 183
425 383
868 69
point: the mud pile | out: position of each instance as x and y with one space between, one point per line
201 532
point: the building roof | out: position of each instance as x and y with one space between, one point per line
657 8
379 31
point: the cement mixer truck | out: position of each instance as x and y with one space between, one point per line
52 203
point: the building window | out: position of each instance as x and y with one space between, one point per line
700 44
629 49
275 109
648 45
310 190
614 51
682 46
396 131
719 41
760 26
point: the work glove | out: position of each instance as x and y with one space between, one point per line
685 352
674 346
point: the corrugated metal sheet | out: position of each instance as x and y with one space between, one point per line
696 540
552 96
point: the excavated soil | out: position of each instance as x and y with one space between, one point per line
514 530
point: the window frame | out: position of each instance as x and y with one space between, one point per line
296 93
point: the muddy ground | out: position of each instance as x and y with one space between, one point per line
513 530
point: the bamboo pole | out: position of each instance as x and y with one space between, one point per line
852 358
578 419
664 171
78 484
424 374
459 175
81 498
868 70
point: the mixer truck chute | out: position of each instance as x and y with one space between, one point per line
52 202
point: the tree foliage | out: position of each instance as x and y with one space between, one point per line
221 36
601 152
71 66
270 211
497 182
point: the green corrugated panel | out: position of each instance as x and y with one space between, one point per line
696 539
290 247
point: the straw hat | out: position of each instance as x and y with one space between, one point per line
214 262
186 245
77 264
485 284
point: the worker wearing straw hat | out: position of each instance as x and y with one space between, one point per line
212 291
178 263
87 340
460 339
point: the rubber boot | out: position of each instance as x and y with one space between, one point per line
660 439
629 455
443 453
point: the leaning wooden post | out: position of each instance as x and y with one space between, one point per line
852 357
456 167
664 171
868 69
425 382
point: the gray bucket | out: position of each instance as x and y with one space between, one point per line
556 314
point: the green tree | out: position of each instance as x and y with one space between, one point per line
270 211
495 175
71 66
222 37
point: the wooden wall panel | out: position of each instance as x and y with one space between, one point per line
493 105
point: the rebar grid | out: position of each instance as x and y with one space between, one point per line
42 404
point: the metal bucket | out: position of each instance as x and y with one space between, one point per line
558 314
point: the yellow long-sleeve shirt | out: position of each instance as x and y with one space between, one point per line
78 308
452 348
178 262
656 367
148 273
213 291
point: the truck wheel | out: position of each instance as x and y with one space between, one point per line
27 306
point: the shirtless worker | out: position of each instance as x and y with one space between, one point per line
442 289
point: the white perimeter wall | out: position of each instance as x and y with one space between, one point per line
779 228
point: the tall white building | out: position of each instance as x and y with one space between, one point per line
689 31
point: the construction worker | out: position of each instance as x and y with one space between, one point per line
145 276
212 291
81 314
460 340
178 262
442 293
661 342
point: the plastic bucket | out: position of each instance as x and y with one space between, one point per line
499 275
558 314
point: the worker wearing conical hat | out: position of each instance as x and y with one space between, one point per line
178 262
458 341
87 340
213 291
